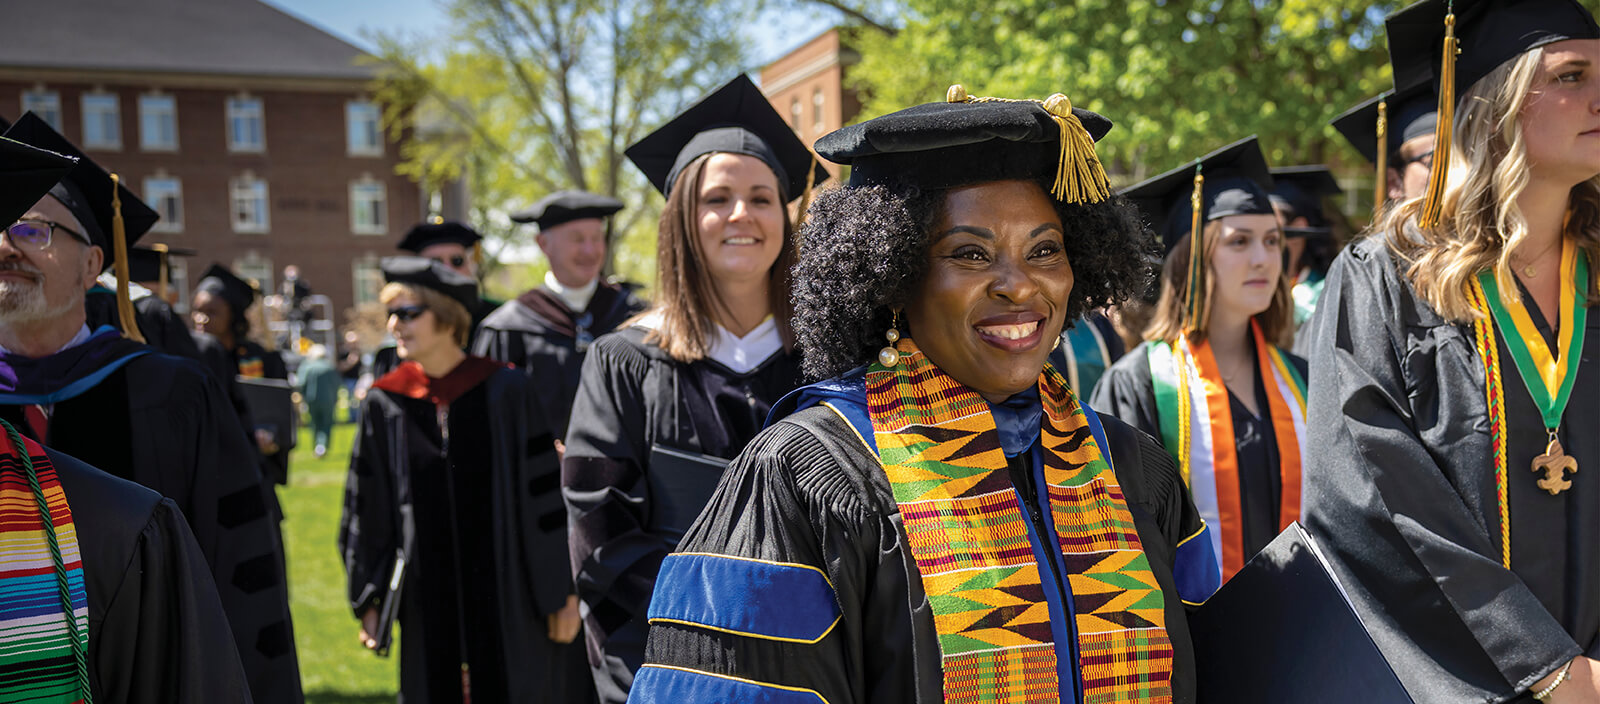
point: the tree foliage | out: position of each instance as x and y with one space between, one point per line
525 97
1178 77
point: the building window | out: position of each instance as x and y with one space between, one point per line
363 128
178 273
250 205
816 110
102 121
368 204
796 114
368 279
158 123
44 103
246 126
165 195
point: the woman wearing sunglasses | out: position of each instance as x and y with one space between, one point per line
440 527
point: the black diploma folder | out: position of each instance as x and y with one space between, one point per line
271 403
681 483
1282 630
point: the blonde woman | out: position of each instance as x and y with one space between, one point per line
1454 405
1212 382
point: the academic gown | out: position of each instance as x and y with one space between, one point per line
250 359
157 630
1127 392
1402 491
164 423
636 406
810 491
456 491
160 325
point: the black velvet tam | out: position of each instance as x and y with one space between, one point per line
1491 32
1412 113
26 174
428 234
735 119
86 189
1298 191
427 273
221 282
1236 182
565 206
945 145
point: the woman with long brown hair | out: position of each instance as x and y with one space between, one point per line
666 401
1454 393
1214 381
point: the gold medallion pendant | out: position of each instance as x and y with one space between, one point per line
1555 463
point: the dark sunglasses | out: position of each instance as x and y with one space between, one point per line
457 261
406 314
35 234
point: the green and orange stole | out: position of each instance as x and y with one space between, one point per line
940 448
42 657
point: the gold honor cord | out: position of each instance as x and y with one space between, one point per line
119 247
1433 201
1380 190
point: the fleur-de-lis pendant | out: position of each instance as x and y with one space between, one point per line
1555 464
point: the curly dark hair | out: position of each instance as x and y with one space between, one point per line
863 250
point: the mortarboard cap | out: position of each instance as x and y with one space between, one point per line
427 234
565 206
965 140
224 284
427 273
87 189
1298 191
1410 113
150 263
27 174
735 119
1490 33
1236 183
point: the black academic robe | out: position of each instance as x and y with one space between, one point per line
164 423
1128 393
275 465
479 528
635 403
1402 491
809 491
160 325
157 630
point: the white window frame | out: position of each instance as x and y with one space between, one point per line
113 141
236 188
242 107
797 114
44 103
156 192
359 200
352 112
818 100
148 109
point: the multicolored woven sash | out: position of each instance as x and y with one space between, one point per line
41 578
1197 428
940 449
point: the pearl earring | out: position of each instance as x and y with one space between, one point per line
889 356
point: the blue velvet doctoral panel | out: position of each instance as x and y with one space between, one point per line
756 598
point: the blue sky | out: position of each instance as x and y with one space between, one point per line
777 32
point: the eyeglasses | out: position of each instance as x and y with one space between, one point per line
406 314
35 234
456 261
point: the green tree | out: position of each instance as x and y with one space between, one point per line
1178 77
524 97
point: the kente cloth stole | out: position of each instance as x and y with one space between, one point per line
1197 429
41 658
939 447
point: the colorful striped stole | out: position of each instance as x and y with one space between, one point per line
42 659
1197 429
940 448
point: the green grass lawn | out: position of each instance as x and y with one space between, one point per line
333 666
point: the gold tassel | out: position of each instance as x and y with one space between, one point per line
161 280
119 246
805 195
1191 303
1433 201
1080 177
1380 192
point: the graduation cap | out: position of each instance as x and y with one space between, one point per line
973 140
1408 114
1298 192
565 206
427 273
151 264
1456 43
27 173
1232 180
234 291
735 119
438 231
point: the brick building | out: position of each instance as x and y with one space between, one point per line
807 87
252 132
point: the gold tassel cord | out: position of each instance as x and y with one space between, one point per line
1433 200
1080 177
119 247
1191 312
805 195
161 275
1380 191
